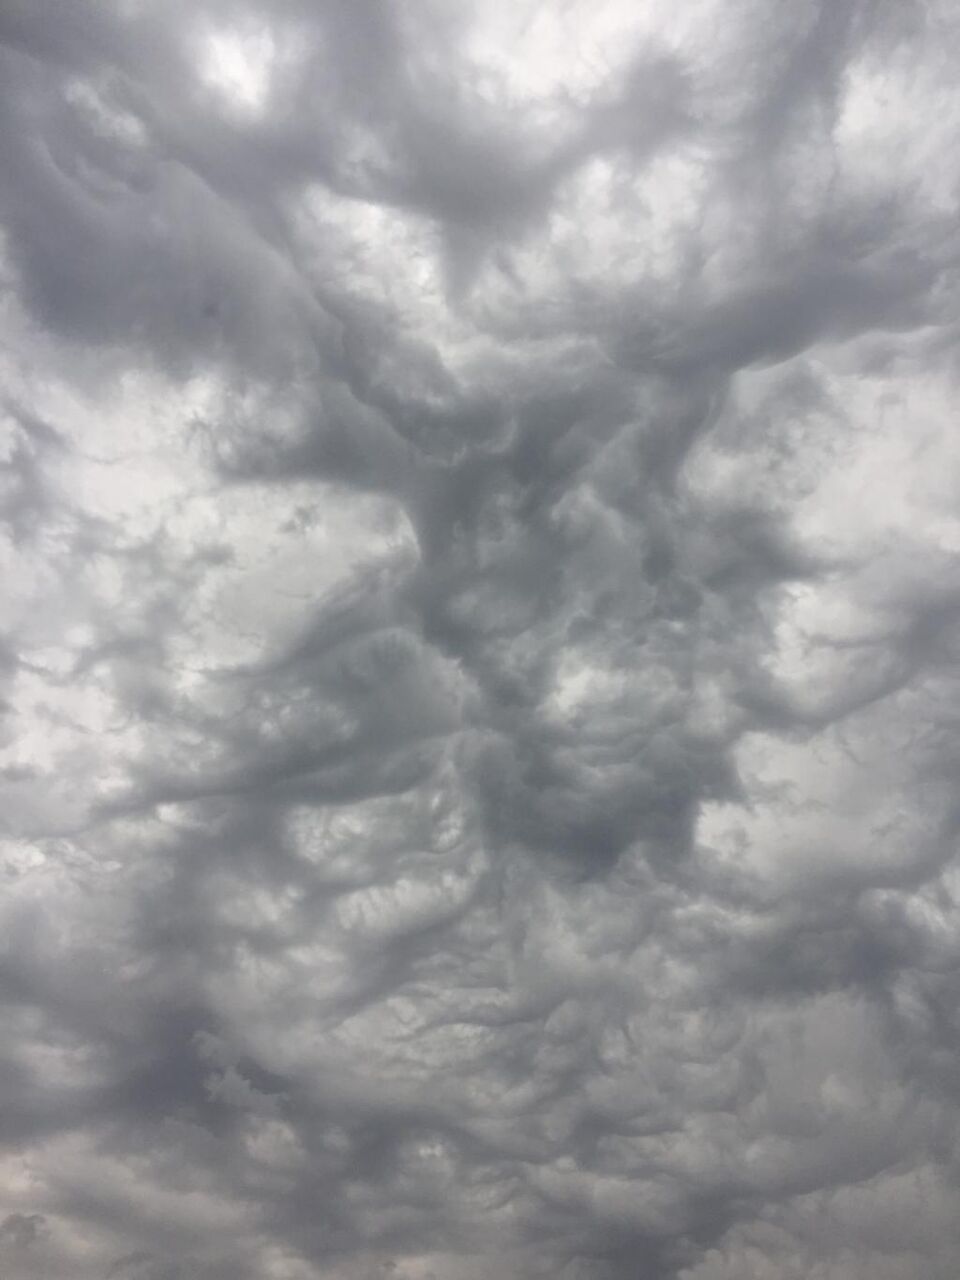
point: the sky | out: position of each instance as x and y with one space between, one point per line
479 640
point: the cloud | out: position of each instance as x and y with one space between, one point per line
478 665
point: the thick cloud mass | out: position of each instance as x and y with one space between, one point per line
480 644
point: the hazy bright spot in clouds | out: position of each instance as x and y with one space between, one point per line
238 65
479 640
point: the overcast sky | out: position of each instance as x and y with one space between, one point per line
479 640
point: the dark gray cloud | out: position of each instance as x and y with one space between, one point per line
479 662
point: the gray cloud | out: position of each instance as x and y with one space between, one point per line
478 666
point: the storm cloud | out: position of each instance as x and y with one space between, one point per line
480 640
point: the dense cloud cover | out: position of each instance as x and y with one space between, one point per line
480 644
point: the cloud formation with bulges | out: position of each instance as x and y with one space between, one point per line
480 645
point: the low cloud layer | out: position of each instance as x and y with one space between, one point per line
480 645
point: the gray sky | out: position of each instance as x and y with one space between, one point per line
479 651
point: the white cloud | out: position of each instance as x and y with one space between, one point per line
478 650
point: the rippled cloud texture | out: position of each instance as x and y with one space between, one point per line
480 644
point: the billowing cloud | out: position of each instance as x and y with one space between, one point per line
479 652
